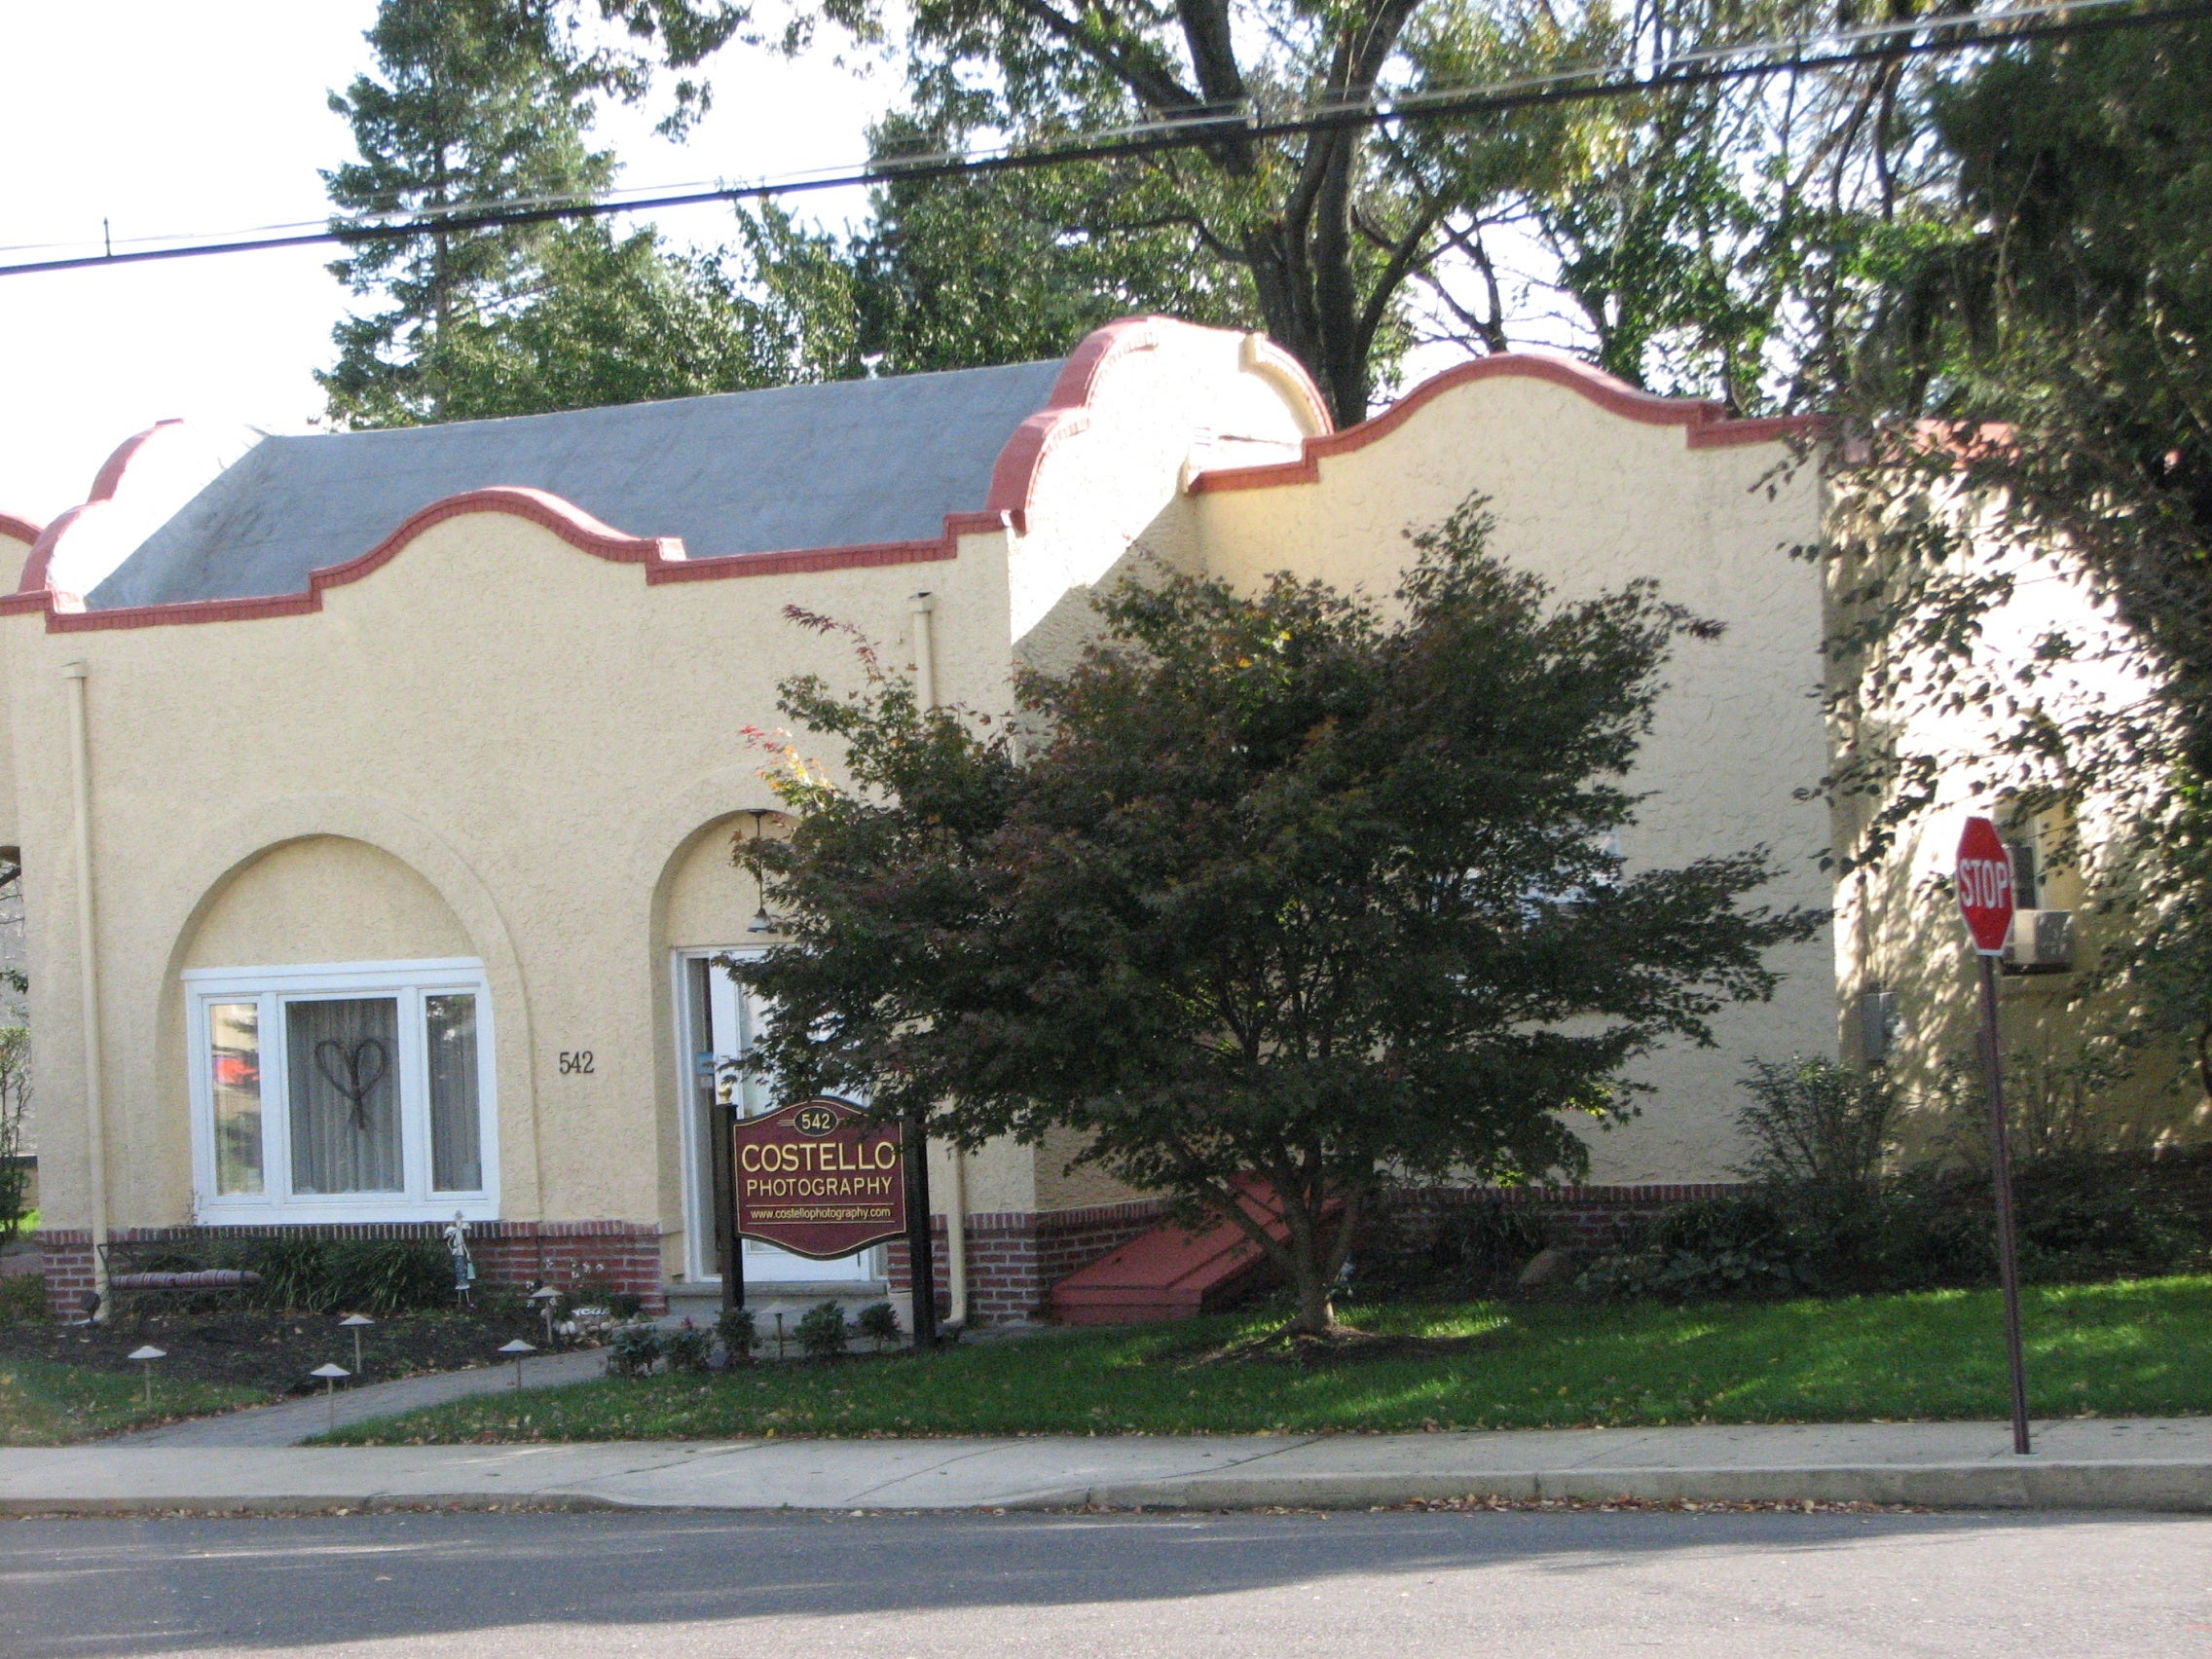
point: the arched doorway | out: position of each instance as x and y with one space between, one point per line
711 898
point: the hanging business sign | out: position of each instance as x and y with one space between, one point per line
818 1178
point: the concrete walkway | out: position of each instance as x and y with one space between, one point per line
295 1421
2142 1463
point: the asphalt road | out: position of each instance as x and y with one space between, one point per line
1397 1585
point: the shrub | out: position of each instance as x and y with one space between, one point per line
822 1330
1814 1123
1472 1250
326 1275
14 1103
1712 1247
877 1320
735 1326
625 1304
22 1299
686 1348
634 1351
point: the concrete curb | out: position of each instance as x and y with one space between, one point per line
2169 1488
2184 1488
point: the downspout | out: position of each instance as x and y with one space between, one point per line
87 973
922 607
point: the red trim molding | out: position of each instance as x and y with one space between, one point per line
1705 425
20 529
1066 413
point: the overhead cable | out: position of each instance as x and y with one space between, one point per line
1877 43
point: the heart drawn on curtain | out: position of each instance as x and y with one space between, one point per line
357 1082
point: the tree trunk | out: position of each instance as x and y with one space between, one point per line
1316 1304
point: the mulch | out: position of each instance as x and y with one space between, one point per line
274 1352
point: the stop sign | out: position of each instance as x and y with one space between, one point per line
1985 886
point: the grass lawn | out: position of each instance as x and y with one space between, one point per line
45 1403
2138 1349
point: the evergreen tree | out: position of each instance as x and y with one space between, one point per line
472 100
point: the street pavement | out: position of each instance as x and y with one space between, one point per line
2140 1464
1408 1586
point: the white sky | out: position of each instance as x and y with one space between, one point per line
165 117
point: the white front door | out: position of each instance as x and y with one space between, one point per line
719 1019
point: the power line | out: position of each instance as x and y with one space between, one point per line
1705 66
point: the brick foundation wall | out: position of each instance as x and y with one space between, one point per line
1585 1220
1016 1256
512 1254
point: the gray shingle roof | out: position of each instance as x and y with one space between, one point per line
743 472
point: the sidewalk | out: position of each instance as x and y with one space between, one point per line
2141 1464
296 1420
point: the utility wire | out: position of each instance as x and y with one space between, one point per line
1706 67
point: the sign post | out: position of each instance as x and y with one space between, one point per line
1984 882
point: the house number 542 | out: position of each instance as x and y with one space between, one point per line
575 1060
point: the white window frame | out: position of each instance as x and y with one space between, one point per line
410 982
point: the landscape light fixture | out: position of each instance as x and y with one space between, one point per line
356 1323
763 922
545 1296
518 1348
146 1357
330 1374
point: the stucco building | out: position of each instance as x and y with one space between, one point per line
375 791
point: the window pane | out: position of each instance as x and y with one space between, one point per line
456 1156
344 1061
233 1043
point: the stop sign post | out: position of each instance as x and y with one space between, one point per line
1984 882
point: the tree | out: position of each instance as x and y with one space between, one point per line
2035 353
1009 268
479 101
598 320
1689 234
1266 889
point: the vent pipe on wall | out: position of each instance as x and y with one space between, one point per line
88 972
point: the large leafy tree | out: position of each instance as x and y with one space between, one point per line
1269 890
2034 344
1688 236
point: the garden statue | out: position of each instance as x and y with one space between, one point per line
463 1266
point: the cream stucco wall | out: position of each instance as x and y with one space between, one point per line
324 899
1591 498
533 730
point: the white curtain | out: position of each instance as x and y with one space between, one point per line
343 1060
456 1157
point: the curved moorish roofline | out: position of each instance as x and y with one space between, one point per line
1014 477
105 483
1705 425
1067 412
20 529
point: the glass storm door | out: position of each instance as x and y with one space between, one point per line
720 1019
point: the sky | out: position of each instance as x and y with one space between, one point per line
162 117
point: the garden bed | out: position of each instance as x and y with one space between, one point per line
269 1354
